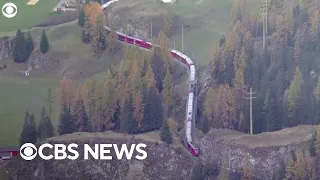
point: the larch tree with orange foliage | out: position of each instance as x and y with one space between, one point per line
66 93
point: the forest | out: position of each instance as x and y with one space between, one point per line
284 75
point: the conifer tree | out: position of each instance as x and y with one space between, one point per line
290 170
20 51
312 146
128 124
44 43
81 18
45 128
29 131
66 122
50 101
165 133
30 44
81 118
167 93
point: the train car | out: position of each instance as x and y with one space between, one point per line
121 36
192 73
129 40
174 54
142 43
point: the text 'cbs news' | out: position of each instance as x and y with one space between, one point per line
29 151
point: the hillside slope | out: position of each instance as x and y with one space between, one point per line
168 162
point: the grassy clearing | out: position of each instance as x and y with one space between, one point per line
17 96
18 93
27 16
215 14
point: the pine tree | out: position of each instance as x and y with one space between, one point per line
312 146
153 112
20 51
50 101
81 18
99 43
45 128
165 133
290 170
138 108
81 118
127 123
167 93
29 131
30 44
44 43
300 167
66 123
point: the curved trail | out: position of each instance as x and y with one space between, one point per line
192 81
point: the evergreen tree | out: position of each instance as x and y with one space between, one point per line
50 102
165 133
66 123
80 116
312 146
45 128
44 43
30 44
81 18
20 51
153 112
29 131
127 123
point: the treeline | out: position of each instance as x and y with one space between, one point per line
284 75
22 47
92 21
137 97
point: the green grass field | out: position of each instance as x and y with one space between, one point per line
18 93
27 16
217 15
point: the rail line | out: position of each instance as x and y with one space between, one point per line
192 81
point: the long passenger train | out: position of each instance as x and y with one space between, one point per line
192 80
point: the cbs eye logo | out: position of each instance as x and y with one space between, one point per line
28 151
9 10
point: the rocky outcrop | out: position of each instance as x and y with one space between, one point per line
163 162
265 150
5 47
173 162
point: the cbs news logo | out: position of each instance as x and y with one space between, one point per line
9 10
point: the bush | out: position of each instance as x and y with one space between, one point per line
4 66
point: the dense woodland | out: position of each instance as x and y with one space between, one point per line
284 75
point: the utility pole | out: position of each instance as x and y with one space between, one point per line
264 14
151 31
182 43
251 123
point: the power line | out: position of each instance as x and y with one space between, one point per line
251 123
